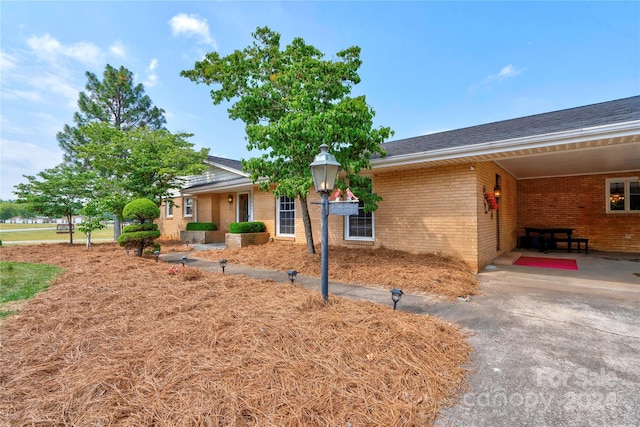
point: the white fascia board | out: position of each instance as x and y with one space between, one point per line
616 130
236 184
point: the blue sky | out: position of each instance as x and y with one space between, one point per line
428 66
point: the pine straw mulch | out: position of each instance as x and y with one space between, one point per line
116 340
425 274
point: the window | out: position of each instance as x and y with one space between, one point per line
360 227
623 195
286 216
169 208
188 206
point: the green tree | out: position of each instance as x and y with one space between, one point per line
292 101
141 234
57 192
94 217
8 210
114 100
140 163
118 102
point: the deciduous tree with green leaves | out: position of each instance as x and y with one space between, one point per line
61 191
292 101
141 162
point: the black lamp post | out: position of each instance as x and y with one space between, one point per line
396 294
156 254
223 264
183 260
292 275
324 170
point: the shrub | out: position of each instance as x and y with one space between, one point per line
142 210
247 227
140 236
201 226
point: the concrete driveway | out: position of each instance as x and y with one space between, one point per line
552 347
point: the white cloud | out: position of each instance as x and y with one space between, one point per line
7 62
505 73
152 77
192 26
118 49
50 49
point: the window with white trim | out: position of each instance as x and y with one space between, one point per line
188 206
623 195
286 216
360 226
169 208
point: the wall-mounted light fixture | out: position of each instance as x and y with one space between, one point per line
230 198
497 192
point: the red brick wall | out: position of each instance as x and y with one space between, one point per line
578 202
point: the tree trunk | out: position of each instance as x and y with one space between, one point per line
88 240
70 229
306 219
116 228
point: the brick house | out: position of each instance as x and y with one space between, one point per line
577 168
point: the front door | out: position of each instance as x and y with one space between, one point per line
244 207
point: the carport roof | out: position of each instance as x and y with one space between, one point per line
597 138
589 116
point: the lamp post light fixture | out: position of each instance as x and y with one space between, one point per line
183 260
223 264
156 254
292 275
396 294
324 170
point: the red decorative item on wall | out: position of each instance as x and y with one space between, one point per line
491 201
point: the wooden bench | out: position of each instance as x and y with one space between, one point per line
64 228
578 241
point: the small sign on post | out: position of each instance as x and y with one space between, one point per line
344 208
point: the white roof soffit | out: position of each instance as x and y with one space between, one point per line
618 133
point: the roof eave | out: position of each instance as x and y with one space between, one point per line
615 130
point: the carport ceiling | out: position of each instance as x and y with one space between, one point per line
595 160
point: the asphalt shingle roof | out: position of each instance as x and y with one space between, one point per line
610 112
230 163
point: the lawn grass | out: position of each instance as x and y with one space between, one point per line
47 232
21 281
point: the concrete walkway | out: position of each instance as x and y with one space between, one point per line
551 347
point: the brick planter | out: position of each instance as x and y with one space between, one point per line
202 237
240 240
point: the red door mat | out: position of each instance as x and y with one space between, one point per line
529 261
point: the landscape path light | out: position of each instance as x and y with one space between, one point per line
292 275
223 264
156 254
396 294
183 260
324 170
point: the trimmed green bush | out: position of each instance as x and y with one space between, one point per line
147 226
247 227
140 236
201 226
141 210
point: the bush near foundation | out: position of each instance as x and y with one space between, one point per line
247 227
201 226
